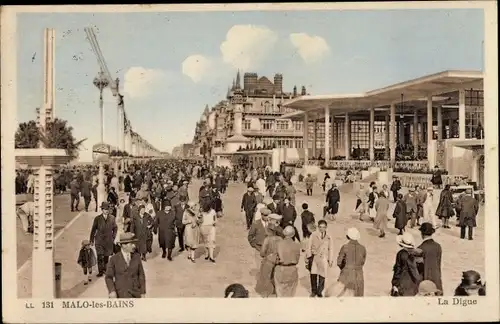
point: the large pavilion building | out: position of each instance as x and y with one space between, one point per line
433 120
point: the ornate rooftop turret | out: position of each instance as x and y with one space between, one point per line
238 82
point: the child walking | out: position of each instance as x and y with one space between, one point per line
86 259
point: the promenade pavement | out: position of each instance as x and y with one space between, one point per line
235 258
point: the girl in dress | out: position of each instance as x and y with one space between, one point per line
191 220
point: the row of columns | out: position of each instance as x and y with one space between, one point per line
390 134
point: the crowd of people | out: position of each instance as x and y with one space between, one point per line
157 201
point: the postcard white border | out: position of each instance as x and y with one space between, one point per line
252 310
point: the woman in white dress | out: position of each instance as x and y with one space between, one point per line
207 230
191 220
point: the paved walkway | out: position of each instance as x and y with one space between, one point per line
181 278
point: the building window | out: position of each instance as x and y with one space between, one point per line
360 134
246 124
297 125
379 134
267 107
474 112
299 143
282 124
267 124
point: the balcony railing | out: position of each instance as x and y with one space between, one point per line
272 132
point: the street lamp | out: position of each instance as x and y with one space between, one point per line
101 82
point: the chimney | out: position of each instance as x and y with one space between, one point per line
295 91
303 92
278 83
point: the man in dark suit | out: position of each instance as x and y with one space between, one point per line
125 277
395 187
276 206
86 190
467 209
74 193
248 206
410 200
289 214
258 233
430 265
179 213
103 234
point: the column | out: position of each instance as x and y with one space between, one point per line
440 122
327 135
415 133
305 143
392 135
315 137
429 120
430 148
238 119
387 138
401 131
347 137
49 73
371 147
461 114
450 127
332 130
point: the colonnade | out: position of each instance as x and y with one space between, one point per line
390 136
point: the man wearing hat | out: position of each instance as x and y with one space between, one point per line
411 206
286 276
257 233
74 193
430 265
125 277
276 206
103 235
467 207
395 187
248 205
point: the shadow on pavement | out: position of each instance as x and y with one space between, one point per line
78 289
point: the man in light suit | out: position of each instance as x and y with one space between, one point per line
125 277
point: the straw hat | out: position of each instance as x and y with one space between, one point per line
127 238
275 216
353 234
265 211
427 287
406 240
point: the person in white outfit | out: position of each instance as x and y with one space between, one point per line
429 208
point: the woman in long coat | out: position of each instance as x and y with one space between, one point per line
381 207
268 252
164 226
444 209
405 279
400 214
351 259
372 199
191 220
333 200
141 226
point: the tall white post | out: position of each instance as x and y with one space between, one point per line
372 134
461 114
429 120
49 73
306 138
315 137
347 137
392 135
327 135
440 122
387 155
415 133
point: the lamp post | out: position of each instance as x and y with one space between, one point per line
101 82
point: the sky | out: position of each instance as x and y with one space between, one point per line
172 64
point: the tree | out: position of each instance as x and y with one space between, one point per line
59 136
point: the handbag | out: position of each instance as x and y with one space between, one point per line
309 262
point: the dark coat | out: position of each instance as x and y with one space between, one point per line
410 200
165 227
351 259
248 202
406 277
86 258
396 186
400 215
86 189
289 214
103 234
278 209
179 213
307 218
430 268
467 208
142 228
256 235
127 184
445 208
127 281
333 199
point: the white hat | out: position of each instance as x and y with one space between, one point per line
353 234
406 240
275 217
289 231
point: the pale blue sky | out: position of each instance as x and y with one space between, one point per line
359 51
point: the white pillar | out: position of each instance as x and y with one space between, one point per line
415 133
49 39
372 134
387 155
43 236
429 120
440 122
315 137
306 138
238 119
347 137
461 113
327 135
332 130
392 135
